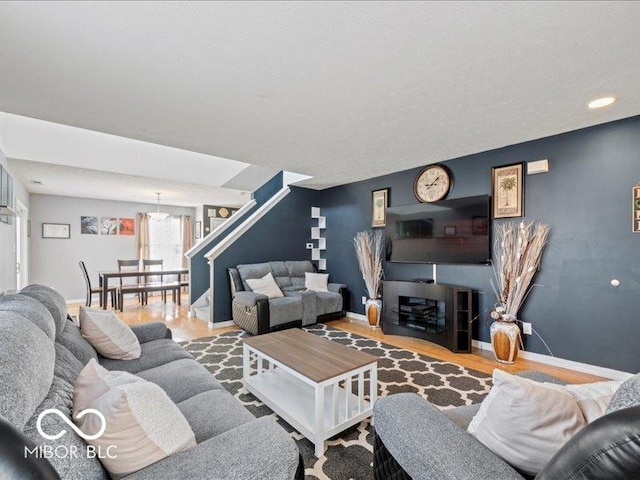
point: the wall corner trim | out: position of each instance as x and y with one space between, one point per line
563 363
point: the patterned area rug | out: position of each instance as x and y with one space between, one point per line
349 454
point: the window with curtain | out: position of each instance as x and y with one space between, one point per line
165 241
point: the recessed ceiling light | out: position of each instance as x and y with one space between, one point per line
37 182
601 102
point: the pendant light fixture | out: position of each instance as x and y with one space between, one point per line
158 215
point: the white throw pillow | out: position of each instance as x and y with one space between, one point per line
593 398
318 282
526 422
266 286
142 424
109 335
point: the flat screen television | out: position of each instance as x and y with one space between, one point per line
450 231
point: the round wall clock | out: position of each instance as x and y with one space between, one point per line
433 183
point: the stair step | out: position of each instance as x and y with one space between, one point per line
203 313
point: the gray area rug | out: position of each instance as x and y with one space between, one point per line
349 454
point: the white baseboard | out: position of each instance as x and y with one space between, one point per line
228 323
563 363
357 316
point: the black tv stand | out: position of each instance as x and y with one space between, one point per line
438 313
422 280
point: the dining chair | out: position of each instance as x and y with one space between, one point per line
129 266
97 290
148 266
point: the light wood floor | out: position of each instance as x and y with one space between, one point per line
177 318
186 328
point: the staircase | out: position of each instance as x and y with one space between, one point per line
200 292
202 308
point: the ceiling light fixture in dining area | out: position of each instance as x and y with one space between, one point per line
158 215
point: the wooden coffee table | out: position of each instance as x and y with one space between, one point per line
308 381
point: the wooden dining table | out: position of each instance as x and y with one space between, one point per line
104 277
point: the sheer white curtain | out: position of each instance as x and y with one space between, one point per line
165 242
143 236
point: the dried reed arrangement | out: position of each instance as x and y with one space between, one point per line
518 252
368 246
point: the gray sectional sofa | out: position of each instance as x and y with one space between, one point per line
42 353
258 314
416 440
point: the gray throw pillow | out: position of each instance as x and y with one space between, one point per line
628 395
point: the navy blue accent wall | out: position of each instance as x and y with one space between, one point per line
199 264
281 234
585 198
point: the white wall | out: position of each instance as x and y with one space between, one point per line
8 234
55 262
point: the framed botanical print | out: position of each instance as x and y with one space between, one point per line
380 202
507 191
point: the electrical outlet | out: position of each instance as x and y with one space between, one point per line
309 246
364 300
526 328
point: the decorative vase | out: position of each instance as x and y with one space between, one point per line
373 309
505 339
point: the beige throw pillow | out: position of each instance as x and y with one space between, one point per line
318 282
266 286
526 422
94 381
143 425
109 335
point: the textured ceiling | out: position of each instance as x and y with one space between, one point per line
341 91
87 183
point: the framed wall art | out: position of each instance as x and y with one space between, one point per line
88 225
108 226
635 209
127 226
198 229
507 191
379 204
56 230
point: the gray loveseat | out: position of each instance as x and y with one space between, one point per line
257 314
415 440
42 353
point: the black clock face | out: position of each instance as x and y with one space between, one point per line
433 183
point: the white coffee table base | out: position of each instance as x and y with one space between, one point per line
316 410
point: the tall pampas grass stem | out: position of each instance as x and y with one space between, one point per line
368 246
518 252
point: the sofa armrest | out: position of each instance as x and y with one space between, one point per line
147 332
428 445
258 449
249 299
256 306
343 290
